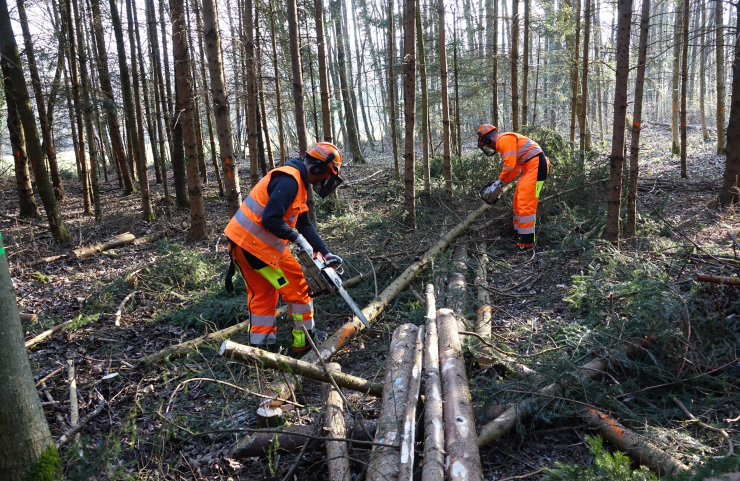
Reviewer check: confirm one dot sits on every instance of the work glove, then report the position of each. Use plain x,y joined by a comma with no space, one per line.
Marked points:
491,192
332,260
303,244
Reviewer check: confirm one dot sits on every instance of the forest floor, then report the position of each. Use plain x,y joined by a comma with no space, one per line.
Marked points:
574,297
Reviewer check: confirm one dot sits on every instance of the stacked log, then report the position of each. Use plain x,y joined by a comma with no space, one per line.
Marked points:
486,356
456,284
434,441
463,459
408,440
384,463
336,451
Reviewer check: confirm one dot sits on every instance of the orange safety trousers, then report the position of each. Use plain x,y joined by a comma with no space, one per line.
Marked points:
263,286
534,173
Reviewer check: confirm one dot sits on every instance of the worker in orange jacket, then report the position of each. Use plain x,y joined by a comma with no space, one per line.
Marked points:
521,155
274,215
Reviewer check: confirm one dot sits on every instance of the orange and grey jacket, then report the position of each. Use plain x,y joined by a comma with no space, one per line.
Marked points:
516,150
246,230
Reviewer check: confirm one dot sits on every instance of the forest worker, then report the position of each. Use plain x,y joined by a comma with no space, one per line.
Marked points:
520,155
272,216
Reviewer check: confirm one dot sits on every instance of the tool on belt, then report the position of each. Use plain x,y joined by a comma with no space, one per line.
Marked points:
324,280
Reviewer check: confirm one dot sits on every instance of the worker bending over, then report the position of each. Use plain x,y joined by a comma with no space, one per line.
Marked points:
520,155
272,216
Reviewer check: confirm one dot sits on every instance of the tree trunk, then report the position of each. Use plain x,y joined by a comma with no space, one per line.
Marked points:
631,227
463,459
494,61
424,102
212,34
408,436
261,88
72,119
351,123
323,71
584,80
720,42
27,450
278,100
195,95
515,66
17,92
457,92
89,132
730,193
525,63
178,157
295,57
51,155
384,463
447,161
409,102
337,460
392,87
167,83
624,25
574,73
251,110
684,83
360,89
678,28
702,72
26,201
434,443
536,83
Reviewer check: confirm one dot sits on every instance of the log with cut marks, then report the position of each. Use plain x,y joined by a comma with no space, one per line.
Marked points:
434,441
91,250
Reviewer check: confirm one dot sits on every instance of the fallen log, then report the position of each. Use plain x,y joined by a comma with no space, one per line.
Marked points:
91,250
47,333
247,355
337,462
384,462
456,283
636,447
434,440
349,331
25,317
178,350
486,356
292,438
730,281
408,439
463,459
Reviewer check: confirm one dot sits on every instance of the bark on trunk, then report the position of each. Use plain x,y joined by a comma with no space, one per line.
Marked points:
212,34
384,464
702,71
424,103
684,83
624,25
26,447
247,354
730,192
15,85
408,437
251,110
463,459
323,71
631,227
91,250
720,63
261,88
278,101
337,462
584,80
525,63
678,29
434,443
297,69
515,66
494,60
443,74
183,84
409,102
392,86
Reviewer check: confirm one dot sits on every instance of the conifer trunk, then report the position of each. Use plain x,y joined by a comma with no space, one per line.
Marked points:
261,89
525,63
583,106
720,63
702,71
409,102
251,110
684,83
278,99
730,193
447,161
515,66
295,57
678,29
424,101
323,71
392,87
493,41
26,202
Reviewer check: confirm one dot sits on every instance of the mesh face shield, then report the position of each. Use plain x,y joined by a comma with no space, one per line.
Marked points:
324,188
486,145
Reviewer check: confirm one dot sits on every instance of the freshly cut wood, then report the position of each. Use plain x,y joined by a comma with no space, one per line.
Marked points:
294,437
247,354
434,439
486,355
384,462
91,250
25,317
636,446
177,350
408,439
456,283
337,461
732,281
463,458
47,333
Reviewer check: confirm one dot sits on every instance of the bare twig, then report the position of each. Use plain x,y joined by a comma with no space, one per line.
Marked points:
71,432
120,307
688,414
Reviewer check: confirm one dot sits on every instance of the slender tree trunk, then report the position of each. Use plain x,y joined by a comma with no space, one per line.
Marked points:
261,87
684,84
447,161
515,125
536,83
574,72
309,61
212,35
51,155
631,227
27,450
494,61
166,83
597,46
525,63
702,71
195,95
676,146
323,71
72,120
730,193
184,89
584,79
87,105
624,25
26,202
278,100
392,87
720,63
360,68
17,92
251,110
458,145
424,101
409,102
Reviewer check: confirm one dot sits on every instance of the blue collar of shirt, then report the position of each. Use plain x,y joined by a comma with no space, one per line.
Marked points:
301,167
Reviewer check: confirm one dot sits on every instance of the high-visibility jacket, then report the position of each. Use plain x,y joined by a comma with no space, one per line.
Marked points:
245,228
516,150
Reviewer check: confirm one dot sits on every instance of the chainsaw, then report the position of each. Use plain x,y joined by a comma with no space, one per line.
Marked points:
324,280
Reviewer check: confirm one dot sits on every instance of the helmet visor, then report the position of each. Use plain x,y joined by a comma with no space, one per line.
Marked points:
486,145
324,188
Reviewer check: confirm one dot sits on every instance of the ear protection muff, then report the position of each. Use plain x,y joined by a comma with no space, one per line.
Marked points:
321,166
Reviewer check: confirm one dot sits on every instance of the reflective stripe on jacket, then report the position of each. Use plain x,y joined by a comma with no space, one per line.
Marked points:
245,228
516,150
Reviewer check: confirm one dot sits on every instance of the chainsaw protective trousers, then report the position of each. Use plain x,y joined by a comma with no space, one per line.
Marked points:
534,173
263,287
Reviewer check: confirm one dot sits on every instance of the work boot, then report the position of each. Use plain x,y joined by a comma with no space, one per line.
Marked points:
301,345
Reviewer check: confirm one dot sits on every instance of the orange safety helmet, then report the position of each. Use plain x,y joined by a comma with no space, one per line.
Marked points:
326,156
485,140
